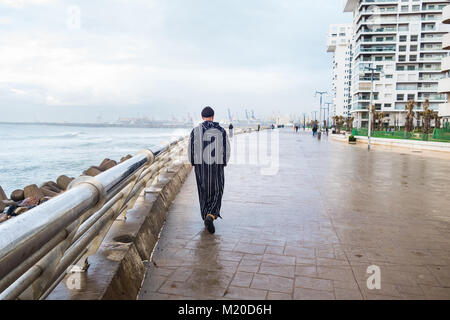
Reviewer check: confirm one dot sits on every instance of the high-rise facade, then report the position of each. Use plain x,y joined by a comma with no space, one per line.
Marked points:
402,39
444,84
340,43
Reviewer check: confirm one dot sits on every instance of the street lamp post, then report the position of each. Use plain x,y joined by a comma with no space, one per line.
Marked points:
372,69
328,112
321,93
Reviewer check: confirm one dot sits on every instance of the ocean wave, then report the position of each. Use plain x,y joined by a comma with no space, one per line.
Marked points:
65,135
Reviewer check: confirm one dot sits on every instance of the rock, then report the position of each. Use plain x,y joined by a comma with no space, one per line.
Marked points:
52,186
30,202
92,171
63,182
2,197
17,195
32,191
9,203
126,158
47,192
20,210
3,217
104,161
44,199
2,194
108,165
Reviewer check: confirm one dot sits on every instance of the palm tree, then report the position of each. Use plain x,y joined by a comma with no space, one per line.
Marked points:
437,120
409,116
380,116
351,120
427,114
349,124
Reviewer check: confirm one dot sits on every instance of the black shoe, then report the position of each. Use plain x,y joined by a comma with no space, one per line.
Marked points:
209,224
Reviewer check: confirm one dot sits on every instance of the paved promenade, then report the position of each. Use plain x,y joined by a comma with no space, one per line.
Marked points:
312,230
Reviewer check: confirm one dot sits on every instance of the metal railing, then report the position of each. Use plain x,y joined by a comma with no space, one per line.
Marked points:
38,247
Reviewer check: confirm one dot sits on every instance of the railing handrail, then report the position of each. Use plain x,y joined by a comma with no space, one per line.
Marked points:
25,240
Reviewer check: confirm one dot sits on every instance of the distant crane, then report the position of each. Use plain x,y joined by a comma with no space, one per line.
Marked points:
230,117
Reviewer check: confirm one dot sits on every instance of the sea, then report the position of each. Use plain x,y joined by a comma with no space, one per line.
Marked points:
34,154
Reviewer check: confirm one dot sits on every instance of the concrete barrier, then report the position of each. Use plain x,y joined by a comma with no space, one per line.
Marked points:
118,268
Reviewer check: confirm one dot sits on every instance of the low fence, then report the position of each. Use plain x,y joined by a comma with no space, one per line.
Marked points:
36,249
439,135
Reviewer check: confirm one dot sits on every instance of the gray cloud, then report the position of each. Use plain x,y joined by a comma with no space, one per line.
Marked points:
162,58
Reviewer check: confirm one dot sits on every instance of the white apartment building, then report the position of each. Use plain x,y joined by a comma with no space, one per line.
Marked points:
340,43
444,84
403,40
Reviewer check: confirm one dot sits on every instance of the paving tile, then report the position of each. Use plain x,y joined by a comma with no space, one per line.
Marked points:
197,290
151,284
436,293
249,265
245,293
277,270
272,283
310,294
154,296
306,270
345,284
277,259
249,248
300,252
335,273
347,294
313,283
181,274
278,296
274,250
407,291
242,279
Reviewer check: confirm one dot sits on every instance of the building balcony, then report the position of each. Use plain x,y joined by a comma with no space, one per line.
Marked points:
446,42
446,15
444,85
444,110
445,64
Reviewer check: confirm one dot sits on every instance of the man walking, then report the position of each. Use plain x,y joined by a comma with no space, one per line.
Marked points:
209,153
230,130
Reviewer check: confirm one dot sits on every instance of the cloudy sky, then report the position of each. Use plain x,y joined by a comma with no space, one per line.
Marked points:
81,60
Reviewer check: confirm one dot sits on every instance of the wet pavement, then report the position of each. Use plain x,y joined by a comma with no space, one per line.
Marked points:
312,230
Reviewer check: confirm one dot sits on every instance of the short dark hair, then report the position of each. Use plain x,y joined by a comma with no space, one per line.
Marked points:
208,112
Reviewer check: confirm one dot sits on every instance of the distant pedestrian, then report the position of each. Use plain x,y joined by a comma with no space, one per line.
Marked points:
230,129
259,127
314,129
209,153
